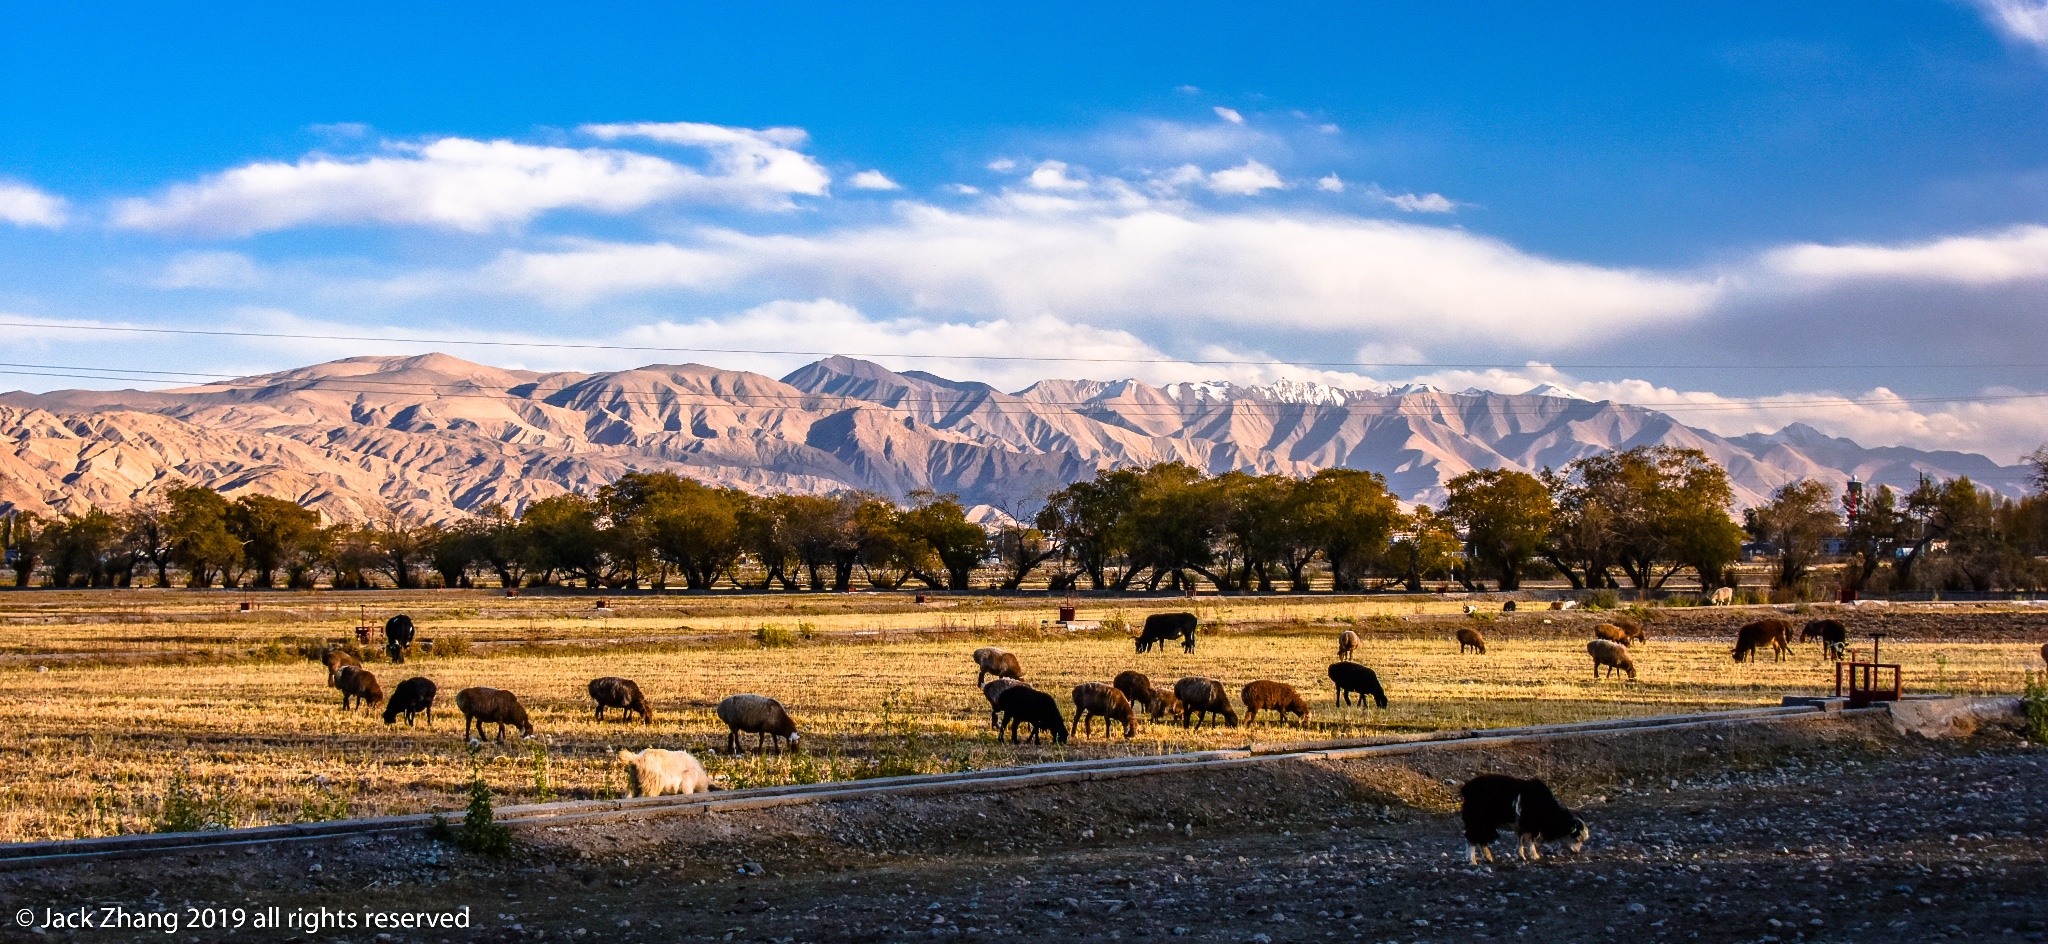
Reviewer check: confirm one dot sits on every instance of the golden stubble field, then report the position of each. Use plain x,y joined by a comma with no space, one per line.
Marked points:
90,748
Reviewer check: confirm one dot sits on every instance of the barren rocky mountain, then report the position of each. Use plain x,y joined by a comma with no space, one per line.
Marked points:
438,436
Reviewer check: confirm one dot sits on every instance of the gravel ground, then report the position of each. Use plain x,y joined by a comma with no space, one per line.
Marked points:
1797,835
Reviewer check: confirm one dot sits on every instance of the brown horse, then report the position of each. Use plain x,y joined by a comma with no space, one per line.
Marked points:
1774,633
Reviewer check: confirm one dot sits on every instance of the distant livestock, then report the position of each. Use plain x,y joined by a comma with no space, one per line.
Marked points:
1026,705
357,686
1000,663
1469,638
2044,652
1833,636
1279,698
1160,627
623,694
412,696
481,706
1625,633
1102,700
758,715
335,659
1203,696
993,691
1508,607
1347,643
1723,596
1776,634
655,772
1350,677
398,634
1494,801
1612,655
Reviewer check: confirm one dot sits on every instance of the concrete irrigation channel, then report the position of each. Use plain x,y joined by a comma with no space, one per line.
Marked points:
555,816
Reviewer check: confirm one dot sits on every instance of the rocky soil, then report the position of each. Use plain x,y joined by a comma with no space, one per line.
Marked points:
1841,832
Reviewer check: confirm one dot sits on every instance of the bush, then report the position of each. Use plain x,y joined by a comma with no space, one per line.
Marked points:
480,831
183,810
772,635
1602,600
322,804
450,646
2035,701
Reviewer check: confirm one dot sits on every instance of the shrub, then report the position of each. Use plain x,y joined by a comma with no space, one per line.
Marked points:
1602,600
543,791
480,831
183,810
450,646
772,635
2035,701
322,804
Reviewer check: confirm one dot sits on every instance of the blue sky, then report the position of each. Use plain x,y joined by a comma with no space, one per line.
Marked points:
1658,201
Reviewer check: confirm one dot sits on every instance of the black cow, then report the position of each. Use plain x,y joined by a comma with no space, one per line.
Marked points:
1160,627
398,633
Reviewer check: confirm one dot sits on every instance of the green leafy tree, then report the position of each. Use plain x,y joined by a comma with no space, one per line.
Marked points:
1172,527
1350,516
565,537
1427,546
940,524
272,532
1506,516
1798,520
1087,518
200,541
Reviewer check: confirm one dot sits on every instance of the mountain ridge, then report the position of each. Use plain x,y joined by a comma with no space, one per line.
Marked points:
437,436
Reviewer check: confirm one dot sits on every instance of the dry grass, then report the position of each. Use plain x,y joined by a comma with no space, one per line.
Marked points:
91,749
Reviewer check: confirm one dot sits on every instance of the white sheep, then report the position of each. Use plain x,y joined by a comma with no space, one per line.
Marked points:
655,772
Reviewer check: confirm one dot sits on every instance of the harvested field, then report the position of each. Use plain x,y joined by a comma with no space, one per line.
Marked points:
93,745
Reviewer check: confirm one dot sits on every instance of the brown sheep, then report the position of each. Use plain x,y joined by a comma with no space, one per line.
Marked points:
757,715
993,691
1137,686
358,686
2044,652
334,659
1469,638
1102,700
481,706
1278,697
623,694
1613,655
996,662
1615,634
1347,643
1203,696
1632,628
1774,633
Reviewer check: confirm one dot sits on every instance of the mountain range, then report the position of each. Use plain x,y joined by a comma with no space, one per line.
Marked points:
436,436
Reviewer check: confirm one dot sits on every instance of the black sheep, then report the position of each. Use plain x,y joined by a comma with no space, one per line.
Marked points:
623,694
481,706
398,632
1493,801
1160,627
1025,705
1351,677
1834,636
411,697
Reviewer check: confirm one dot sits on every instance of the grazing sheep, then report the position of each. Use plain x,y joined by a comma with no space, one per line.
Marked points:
655,772
1611,633
335,659
1026,705
993,691
1557,604
623,694
1101,700
1137,687
411,697
1160,627
1470,609
1508,607
1278,697
1566,605
1723,596
997,662
1347,643
358,686
757,715
1833,636
1200,695
398,633
1351,677
482,706
1613,655
1492,801
1469,638
1774,633
2044,652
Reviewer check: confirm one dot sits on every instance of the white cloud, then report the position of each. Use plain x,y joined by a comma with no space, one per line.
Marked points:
1230,115
1052,175
1425,203
2015,255
1119,263
872,180
2022,21
1002,165
1187,90
24,205
963,189
1328,128
208,270
478,186
1246,179
1331,184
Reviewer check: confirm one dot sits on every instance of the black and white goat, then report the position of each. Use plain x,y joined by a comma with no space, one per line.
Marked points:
1494,801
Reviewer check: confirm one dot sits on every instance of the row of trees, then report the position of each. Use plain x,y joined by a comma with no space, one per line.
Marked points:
1641,516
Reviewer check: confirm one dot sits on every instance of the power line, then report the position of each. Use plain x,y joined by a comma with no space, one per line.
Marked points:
1208,362
978,402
